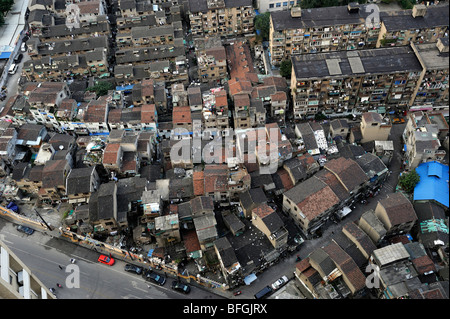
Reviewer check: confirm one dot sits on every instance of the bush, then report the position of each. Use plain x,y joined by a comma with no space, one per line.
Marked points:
408,181
101,88
286,68
262,23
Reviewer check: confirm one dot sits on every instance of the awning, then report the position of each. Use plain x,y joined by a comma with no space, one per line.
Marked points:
249,279
5,55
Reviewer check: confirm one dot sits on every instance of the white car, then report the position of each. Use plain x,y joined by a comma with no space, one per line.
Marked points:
280,282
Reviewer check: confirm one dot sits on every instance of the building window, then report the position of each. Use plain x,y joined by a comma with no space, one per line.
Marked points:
285,4
271,6
278,4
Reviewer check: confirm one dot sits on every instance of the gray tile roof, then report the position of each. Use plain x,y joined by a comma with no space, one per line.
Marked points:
436,16
373,61
318,17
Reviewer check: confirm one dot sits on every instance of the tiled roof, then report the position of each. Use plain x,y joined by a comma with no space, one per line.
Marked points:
346,264
263,210
190,241
398,208
216,178
318,202
148,113
53,174
360,237
424,264
96,111
181,114
110,153
348,172
237,86
240,61
198,180
147,88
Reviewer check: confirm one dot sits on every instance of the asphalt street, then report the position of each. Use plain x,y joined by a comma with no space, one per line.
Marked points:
43,255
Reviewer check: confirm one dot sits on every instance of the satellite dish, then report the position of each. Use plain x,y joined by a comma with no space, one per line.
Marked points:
61,147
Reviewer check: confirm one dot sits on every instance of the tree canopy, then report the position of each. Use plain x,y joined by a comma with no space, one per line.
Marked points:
101,88
408,181
286,68
262,23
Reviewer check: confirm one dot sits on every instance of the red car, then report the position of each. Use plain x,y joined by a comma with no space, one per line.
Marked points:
106,260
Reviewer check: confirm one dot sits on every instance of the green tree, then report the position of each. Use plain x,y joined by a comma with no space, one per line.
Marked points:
101,88
6,5
286,68
408,181
262,23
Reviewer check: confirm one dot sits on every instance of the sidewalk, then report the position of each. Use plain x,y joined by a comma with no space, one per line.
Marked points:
14,24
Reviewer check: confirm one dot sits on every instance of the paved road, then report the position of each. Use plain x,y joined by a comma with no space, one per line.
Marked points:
43,255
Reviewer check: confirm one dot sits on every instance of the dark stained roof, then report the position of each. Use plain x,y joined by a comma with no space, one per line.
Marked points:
436,16
373,61
78,180
398,209
53,173
105,200
348,172
318,17
361,237
226,252
346,264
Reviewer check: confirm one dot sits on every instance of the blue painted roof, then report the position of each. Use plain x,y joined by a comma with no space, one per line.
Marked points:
433,183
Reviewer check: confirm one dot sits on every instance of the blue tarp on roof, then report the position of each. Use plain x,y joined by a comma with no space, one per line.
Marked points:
124,88
150,252
5,55
433,184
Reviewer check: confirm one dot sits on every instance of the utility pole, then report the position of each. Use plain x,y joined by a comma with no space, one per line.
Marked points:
37,213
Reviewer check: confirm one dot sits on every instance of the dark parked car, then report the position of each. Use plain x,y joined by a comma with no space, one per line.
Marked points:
18,58
132,268
25,229
156,278
177,285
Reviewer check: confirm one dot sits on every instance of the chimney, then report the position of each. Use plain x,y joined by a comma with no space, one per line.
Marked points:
442,45
419,10
296,12
353,7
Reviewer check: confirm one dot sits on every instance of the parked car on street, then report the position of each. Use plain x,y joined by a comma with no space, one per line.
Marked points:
133,268
263,293
18,58
25,229
280,283
106,260
12,68
178,285
152,276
